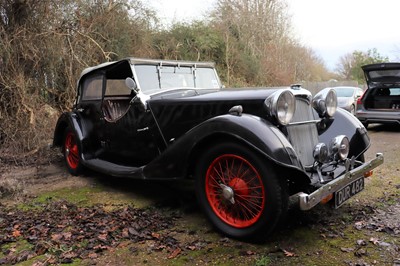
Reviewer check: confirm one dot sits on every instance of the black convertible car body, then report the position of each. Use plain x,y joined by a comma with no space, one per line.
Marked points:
249,150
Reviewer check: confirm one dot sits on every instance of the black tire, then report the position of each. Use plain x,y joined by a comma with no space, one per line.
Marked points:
72,153
229,171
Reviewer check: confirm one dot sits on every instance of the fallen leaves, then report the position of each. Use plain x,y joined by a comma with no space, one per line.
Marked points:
347,250
175,253
288,253
382,221
66,231
361,252
361,242
16,233
378,242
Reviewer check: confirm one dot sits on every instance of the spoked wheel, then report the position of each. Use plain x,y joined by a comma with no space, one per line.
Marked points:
240,192
235,190
72,153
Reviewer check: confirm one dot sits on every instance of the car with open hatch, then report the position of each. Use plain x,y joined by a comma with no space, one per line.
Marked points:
250,151
381,101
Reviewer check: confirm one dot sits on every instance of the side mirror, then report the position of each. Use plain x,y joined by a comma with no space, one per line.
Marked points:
131,84
140,96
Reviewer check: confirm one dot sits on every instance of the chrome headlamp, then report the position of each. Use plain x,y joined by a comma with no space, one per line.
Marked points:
325,102
320,152
339,147
281,105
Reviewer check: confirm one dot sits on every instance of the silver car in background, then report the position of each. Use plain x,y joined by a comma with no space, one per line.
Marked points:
347,97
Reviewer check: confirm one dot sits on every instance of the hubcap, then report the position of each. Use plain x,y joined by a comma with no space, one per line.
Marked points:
228,193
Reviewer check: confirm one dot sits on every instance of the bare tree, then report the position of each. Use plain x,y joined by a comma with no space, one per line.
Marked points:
345,66
259,46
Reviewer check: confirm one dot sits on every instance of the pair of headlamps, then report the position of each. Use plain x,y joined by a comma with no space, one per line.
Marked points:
282,105
325,103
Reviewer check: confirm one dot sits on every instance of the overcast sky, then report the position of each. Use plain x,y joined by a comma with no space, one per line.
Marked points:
332,28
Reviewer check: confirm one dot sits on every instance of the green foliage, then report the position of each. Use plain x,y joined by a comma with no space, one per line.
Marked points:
349,67
263,261
196,42
364,58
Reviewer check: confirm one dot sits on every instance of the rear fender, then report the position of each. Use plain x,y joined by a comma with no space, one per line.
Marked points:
180,157
68,120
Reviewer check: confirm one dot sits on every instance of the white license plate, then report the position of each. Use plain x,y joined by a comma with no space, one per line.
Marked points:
348,191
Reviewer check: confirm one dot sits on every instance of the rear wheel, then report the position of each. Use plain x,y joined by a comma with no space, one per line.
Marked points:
239,192
72,153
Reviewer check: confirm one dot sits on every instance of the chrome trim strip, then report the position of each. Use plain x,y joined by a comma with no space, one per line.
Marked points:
303,123
308,201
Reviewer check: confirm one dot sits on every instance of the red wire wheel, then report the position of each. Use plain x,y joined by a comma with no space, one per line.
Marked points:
71,153
239,191
235,190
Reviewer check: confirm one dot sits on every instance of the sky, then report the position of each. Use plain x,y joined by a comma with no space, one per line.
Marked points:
332,28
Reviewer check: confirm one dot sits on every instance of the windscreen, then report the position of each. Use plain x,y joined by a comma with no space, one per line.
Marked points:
344,92
385,75
153,78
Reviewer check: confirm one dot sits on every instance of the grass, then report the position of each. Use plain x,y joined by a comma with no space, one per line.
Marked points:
322,236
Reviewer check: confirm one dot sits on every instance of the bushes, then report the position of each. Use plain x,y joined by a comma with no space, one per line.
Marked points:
45,44
44,47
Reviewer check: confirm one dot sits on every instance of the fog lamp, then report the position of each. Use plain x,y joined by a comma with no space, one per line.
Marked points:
320,152
339,147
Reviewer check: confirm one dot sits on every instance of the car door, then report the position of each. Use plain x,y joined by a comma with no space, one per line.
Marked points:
88,108
130,133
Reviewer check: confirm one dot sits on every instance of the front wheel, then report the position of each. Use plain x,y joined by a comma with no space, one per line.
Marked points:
240,192
72,153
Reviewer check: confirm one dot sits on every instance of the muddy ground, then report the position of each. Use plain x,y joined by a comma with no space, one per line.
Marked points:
49,217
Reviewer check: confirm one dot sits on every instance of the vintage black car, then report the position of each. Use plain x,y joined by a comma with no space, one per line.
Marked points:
250,151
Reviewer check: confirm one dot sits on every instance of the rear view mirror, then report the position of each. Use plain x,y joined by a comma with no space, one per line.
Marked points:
143,98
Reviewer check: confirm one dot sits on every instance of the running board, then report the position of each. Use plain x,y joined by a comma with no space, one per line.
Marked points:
114,169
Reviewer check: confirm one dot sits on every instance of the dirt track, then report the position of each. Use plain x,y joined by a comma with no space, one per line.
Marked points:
364,231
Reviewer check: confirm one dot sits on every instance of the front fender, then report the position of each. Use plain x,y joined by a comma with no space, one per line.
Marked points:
344,123
253,131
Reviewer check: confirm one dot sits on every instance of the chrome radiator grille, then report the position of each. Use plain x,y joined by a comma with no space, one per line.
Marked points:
303,134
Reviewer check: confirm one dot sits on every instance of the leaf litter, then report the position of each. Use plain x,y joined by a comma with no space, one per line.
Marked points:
68,232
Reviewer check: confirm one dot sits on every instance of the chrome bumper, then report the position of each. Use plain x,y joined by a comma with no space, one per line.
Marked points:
308,201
